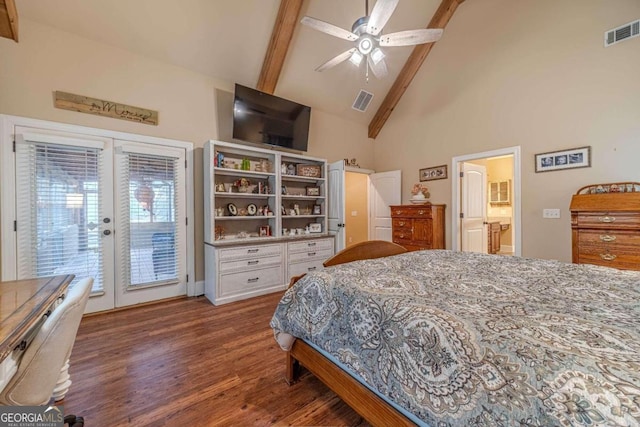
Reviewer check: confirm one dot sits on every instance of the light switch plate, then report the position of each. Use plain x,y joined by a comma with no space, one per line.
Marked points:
551,213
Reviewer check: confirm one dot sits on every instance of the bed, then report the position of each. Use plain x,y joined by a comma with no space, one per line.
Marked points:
447,338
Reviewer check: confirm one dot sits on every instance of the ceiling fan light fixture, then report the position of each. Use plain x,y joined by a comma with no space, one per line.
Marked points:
377,55
365,45
356,58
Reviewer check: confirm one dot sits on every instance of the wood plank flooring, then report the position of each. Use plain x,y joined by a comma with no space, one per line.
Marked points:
188,362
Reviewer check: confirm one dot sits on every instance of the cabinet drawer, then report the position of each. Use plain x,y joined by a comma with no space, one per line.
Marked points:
609,238
624,261
245,252
234,283
299,268
412,245
618,220
310,254
311,245
402,234
401,223
411,211
250,264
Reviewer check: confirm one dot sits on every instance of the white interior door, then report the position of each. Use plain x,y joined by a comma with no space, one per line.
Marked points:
474,208
81,209
64,211
150,227
336,214
384,191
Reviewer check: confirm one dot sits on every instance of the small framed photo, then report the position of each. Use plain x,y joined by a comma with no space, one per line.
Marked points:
284,190
431,174
233,210
564,159
283,211
315,228
317,210
265,231
313,191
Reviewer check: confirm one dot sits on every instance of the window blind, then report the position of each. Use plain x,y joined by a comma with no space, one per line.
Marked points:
150,236
59,210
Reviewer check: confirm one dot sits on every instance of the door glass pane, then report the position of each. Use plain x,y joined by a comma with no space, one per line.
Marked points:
58,211
150,206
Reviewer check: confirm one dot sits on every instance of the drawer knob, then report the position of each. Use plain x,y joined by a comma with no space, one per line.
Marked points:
399,212
607,238
402,236
311,244
607,218
252,251
252,262
608,257
421,212
255,279
401,223
311,268
311,253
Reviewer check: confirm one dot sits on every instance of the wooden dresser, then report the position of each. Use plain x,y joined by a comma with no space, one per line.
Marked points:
605,225
418,226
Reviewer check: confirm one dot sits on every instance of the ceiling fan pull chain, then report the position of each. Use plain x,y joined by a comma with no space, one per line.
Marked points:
367,73
366,7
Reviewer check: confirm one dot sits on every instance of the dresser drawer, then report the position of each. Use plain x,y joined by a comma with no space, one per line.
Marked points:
401,223
609,238
411,211
252,263
311,245
245,252
235,283
412,245
402,234
299,268
310,254
617,220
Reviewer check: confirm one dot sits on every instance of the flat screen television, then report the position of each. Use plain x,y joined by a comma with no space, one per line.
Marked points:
267,119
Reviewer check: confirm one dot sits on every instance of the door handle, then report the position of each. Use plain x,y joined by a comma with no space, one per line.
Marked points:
106,232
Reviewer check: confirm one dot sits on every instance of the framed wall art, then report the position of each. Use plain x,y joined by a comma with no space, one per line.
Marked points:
564,159
436,172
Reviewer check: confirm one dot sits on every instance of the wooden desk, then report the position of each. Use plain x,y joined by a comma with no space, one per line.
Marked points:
22,305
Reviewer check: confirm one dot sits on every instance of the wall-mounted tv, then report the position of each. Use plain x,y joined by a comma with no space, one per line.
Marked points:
267,119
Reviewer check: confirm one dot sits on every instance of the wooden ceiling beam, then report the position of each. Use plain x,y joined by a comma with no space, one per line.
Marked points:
286,22
8,19
414,62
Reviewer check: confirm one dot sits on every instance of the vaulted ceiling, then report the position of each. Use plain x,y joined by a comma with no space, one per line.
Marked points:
257,43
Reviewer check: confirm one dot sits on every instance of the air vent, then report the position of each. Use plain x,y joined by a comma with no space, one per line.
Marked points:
362,101
624,32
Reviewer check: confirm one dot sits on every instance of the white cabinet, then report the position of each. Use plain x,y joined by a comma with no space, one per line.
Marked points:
307,256
499,192
265,219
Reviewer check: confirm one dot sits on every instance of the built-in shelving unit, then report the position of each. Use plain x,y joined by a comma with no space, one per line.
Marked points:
265,217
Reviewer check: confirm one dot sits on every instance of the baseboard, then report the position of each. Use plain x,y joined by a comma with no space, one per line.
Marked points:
506,248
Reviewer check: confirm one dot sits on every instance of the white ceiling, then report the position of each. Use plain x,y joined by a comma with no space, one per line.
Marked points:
227,39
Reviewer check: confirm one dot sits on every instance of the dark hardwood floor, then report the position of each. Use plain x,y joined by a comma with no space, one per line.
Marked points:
188,362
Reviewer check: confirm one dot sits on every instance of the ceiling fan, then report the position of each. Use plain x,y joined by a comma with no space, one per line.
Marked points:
366,32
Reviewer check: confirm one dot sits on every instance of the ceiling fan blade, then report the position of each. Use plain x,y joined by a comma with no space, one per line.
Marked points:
379,69
411,37
380,14
327,28
338,59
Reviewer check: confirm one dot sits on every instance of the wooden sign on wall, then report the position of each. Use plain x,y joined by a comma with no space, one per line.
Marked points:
100,107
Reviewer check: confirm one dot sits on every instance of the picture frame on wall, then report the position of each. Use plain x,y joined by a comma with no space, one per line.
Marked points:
433,173
563,159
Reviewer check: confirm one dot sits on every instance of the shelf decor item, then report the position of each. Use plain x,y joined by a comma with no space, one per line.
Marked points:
233,210
419,194
564,159
315,228
309,171
313,191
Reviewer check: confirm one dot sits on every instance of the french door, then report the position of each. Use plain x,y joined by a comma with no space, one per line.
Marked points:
110,209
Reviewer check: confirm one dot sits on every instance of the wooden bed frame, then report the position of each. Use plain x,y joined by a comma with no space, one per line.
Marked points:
365,402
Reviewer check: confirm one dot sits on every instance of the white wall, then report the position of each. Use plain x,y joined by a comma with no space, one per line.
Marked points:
47,60
532,73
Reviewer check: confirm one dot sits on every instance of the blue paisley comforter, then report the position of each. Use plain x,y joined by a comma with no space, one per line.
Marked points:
479,340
